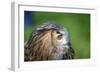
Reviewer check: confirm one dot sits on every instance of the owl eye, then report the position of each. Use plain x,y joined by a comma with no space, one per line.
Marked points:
59,37
58,32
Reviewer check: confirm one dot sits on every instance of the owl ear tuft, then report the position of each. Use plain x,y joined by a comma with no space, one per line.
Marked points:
39,29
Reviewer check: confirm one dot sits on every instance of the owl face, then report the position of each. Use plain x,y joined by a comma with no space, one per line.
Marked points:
60,34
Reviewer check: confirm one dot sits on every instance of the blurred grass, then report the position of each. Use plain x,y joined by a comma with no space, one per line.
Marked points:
77,24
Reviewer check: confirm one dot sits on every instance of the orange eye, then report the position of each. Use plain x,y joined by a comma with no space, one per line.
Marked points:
59,37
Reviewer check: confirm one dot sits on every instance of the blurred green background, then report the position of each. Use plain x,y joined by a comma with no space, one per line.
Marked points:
78,25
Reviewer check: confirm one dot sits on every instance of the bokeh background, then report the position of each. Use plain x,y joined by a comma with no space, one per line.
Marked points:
78,25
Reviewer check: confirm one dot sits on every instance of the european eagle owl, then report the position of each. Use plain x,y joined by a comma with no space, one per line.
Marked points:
50,41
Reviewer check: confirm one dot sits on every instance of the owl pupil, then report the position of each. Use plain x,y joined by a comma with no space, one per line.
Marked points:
58,32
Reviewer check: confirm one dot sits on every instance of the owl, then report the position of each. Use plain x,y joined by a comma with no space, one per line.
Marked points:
49,41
